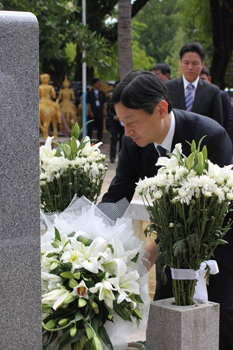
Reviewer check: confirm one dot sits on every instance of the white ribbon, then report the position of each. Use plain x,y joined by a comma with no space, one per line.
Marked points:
199,275
184,274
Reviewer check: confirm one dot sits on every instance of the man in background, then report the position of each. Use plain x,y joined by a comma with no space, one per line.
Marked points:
116,129
192,93
162,71
225,98
97,104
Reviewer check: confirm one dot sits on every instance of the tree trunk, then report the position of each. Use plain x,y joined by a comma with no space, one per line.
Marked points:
124,37
222,22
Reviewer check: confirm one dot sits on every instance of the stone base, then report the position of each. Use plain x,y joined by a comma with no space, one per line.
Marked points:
175,327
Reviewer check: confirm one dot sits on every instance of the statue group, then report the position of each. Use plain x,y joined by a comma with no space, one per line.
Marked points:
63,111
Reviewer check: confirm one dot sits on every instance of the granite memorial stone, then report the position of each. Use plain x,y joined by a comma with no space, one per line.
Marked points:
20,306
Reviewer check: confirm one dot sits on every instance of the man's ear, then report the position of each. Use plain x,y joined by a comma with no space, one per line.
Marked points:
209,79
163,108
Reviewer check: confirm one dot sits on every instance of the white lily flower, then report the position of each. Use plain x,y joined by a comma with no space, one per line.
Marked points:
53,281
169,163
105,289
46,150
90,150
81,290
126,283
57,298
88,257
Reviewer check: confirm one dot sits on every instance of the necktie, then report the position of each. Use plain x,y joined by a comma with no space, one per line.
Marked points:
189,97
162,151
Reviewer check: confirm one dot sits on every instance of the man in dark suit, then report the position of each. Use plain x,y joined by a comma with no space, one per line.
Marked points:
97,104
162,71
225,98
116,129
142,102
206,97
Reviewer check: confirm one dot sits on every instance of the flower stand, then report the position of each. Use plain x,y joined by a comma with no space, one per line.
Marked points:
175,327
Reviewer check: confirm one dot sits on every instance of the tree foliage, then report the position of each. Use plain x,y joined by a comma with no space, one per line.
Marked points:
158,30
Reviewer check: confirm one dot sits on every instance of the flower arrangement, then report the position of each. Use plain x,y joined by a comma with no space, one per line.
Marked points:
75,167
88,278
187,202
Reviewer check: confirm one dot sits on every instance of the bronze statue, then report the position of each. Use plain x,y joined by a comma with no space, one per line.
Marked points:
48,109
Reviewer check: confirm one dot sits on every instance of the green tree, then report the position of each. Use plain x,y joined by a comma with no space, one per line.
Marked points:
160,20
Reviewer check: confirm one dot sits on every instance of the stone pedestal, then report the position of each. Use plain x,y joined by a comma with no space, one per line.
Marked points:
20,281
172,327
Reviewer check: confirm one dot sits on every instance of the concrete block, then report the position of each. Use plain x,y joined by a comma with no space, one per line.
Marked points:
194,327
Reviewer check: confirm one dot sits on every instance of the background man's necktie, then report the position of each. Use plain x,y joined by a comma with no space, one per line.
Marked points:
162,151
189,97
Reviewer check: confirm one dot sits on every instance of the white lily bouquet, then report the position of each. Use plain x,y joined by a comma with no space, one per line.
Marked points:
90,280
187,202
75,167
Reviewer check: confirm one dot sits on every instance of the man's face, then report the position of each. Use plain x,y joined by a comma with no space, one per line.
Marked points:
97,85
191,66
205,78
160,75
142,127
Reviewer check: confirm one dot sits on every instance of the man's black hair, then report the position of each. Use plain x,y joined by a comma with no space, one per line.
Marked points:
141,90
94,81
163,67
205,70
193,47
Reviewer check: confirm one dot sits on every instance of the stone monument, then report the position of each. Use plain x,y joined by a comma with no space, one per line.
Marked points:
20,306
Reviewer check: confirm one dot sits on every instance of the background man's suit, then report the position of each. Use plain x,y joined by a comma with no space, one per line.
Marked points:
137,162
207,100
98,111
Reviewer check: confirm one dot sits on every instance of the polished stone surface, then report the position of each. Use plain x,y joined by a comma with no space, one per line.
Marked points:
20,321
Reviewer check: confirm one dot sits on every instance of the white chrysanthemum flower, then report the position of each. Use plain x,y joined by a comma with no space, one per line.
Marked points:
229,196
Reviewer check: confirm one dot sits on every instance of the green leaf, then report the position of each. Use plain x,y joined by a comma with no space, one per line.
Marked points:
74,147
105,338
138,299
57,235
221,241
199,144
79,316
75,132
199,169
122,311
71,234
179,247
86,241
50,324
193,146
200,158
205,153
137,314
135,258
58,153
100,276
73,283
88,345
66,274
189,161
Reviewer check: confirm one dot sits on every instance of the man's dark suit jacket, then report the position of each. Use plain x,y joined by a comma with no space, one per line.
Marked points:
137,162
207,100
226,107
